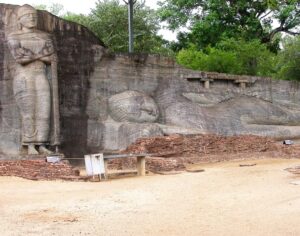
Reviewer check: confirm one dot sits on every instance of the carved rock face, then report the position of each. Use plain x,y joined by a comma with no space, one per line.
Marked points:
133,106
29,20
27,16
33,50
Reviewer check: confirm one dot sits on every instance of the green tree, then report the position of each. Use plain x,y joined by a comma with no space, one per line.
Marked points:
209,21
109,21
253,55
211,59
230,56
78,18
289,59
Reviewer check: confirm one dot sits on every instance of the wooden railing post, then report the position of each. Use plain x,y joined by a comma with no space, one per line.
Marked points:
141,165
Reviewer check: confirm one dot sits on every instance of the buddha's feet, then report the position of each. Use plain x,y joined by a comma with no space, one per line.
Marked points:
44,150
32,150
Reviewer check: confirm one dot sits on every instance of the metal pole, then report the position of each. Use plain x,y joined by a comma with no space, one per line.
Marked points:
130,25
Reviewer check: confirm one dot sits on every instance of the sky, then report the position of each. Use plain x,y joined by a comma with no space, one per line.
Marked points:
84,8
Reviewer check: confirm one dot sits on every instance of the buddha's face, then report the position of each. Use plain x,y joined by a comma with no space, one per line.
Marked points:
133,106
29,20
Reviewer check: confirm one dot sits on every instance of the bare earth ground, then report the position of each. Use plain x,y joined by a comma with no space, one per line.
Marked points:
224,200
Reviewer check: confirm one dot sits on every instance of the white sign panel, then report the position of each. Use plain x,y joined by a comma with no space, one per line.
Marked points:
94,164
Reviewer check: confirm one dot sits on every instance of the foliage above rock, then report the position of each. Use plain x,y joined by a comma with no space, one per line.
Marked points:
208,21
230,56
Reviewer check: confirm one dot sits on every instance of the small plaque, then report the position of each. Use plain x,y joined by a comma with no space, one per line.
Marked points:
53,159
288,142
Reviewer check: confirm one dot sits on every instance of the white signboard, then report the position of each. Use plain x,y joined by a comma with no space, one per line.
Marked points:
94,164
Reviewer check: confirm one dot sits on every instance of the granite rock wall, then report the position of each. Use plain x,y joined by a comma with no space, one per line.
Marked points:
107,100
230,105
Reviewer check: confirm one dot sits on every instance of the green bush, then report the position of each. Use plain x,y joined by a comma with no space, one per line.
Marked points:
231,56
254,56
191,58
212,60
223,61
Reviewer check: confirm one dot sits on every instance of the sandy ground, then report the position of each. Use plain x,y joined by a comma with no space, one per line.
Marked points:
224,200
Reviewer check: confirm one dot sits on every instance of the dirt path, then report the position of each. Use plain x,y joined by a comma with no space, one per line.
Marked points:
224,200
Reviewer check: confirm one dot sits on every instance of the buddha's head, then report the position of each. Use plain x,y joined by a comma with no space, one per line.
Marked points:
133,106
27,17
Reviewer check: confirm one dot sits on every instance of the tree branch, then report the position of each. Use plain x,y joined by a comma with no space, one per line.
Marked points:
273,32
291,32
268,13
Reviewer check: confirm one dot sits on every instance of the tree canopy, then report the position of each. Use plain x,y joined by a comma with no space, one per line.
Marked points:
210,21
109,21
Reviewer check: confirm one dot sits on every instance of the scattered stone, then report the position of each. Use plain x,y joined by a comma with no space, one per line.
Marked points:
294,170
167,172
196,171
247,165
39,169
191,145
175,151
